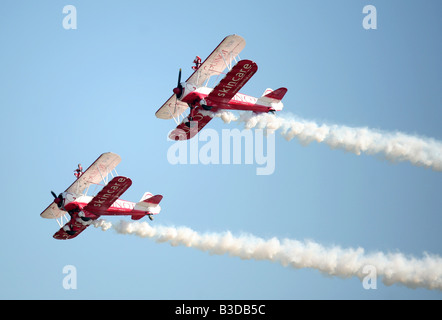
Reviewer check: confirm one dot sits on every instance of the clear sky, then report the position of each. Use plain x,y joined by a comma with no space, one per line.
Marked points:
67,96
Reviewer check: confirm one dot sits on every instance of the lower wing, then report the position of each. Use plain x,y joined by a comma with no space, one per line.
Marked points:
108,195
72,228
233,81
188,129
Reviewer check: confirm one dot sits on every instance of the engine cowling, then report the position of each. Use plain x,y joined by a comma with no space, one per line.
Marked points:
184,90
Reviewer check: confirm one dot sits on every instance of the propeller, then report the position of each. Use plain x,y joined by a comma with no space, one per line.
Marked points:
179,89
57,199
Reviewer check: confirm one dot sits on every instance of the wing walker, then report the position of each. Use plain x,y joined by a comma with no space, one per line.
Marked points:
82,209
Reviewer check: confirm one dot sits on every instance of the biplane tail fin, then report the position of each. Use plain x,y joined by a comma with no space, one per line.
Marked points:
149,203
273,98
277,94
150,199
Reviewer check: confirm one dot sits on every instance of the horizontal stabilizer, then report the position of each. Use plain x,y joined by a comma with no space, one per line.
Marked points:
148,203
273,99
149,198
154,200
278,94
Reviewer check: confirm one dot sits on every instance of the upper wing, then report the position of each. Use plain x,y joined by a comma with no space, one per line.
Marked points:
93,175
218,60
96,172
215,63
108,195
171,109
184,132
52,212
234,80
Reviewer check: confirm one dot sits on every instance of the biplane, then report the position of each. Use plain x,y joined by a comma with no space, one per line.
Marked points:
83,209
196,95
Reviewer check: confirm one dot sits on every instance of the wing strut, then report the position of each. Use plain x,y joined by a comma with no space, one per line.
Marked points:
179,117
61,220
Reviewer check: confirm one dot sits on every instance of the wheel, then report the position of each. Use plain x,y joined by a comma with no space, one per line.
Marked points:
85,221
68,230
206,107
150,217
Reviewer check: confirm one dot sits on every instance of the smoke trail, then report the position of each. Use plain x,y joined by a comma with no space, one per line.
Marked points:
394,268
397,146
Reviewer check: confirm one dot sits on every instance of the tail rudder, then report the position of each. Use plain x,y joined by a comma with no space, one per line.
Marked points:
146,196
266,92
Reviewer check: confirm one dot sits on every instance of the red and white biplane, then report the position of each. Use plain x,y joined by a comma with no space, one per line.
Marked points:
195,94
84,209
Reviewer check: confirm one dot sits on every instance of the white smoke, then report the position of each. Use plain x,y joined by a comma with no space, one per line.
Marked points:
394,268
394,146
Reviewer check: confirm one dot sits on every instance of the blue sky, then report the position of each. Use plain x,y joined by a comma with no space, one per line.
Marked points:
69,95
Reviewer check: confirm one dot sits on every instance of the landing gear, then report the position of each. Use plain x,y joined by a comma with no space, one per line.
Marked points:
203,104
68,230
190,123
150,217
82,216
